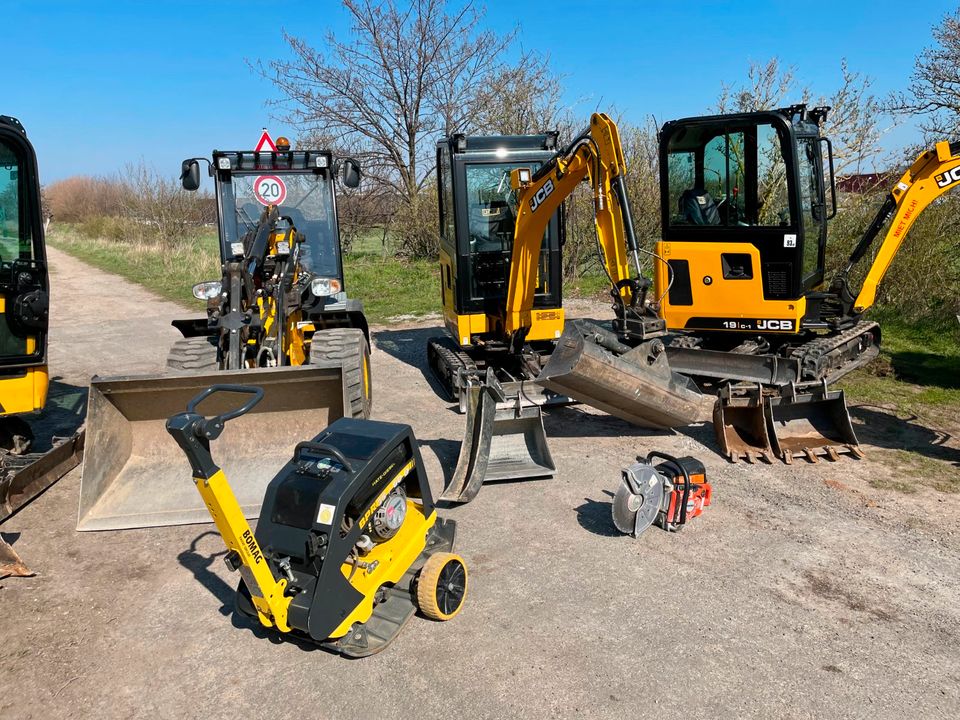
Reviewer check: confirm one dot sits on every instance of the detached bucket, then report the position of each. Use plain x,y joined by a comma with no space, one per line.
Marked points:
637,384
135,475
500,443
740,425
811,422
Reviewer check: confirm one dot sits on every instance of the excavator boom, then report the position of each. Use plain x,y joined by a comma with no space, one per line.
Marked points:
933,173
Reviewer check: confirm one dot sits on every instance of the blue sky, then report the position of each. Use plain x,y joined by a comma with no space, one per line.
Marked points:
99,84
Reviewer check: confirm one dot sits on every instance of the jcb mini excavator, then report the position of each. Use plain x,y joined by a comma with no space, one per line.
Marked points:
29,461
279,318
745,204
348,544
738,300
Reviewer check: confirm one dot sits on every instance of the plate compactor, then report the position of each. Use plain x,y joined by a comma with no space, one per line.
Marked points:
348,545
669,494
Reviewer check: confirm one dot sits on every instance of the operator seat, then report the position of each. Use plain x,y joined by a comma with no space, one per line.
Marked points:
697,207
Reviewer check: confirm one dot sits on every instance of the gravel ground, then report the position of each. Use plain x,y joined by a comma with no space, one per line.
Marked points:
803,591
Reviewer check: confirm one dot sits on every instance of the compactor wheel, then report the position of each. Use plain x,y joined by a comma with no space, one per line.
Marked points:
442,586
348,346
193,354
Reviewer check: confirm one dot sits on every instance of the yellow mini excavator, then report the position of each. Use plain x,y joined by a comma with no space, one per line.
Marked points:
31,455
738,303
278,318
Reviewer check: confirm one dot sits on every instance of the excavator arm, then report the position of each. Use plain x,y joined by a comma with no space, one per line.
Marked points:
933,173
595,155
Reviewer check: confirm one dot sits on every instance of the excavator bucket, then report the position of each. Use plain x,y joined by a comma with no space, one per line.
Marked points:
740,424
636,384
504,440
809,421
134,475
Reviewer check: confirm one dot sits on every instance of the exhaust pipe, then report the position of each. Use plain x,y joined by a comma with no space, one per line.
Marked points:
635,384
134,473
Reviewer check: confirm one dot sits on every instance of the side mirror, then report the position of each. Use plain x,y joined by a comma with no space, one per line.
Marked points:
351,173
190,175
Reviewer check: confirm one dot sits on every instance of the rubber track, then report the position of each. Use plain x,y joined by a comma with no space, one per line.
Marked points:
346,346
454,358
194,354
810,353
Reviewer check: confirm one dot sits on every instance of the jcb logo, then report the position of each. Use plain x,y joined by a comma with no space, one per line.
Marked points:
252,546
948,178
541,195
774,324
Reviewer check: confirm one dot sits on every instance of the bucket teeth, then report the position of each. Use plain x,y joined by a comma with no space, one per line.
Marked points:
801,421
809,421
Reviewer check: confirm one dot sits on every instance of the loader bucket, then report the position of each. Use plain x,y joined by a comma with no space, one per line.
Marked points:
740,425
135,475
504,440
636,385
809,421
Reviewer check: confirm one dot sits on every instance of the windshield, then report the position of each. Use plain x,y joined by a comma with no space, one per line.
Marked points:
306,198
15,236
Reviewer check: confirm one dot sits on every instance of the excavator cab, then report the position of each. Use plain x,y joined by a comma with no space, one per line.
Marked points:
478,214
745,210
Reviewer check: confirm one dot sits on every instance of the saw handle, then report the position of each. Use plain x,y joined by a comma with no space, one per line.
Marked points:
682,510
210,428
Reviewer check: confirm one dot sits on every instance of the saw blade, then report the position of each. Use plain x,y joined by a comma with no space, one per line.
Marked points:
635,512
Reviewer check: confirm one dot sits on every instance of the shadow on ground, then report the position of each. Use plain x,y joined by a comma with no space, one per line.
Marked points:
882,428
927,369
409,346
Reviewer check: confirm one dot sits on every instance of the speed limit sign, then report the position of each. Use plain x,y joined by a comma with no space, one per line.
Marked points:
269,190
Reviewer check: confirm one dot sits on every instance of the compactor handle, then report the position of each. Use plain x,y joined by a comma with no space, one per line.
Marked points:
210,428
324,448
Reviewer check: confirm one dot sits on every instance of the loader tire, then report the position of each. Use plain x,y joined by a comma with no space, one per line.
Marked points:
193,354
347,346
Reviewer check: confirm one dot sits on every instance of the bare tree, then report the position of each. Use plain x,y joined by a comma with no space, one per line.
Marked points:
405,75
934,93
854,121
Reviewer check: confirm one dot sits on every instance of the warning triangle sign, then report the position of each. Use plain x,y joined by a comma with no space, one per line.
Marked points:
266,143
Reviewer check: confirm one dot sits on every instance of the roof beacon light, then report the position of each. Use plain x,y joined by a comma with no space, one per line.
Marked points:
283,144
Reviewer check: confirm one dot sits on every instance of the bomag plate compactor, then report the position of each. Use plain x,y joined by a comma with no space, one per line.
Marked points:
348,544
32,456
278,318
738,323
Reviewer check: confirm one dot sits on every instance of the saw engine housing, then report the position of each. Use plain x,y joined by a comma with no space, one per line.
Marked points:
668,494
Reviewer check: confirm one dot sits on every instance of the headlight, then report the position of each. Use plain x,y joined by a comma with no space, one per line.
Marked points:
207,290
322,287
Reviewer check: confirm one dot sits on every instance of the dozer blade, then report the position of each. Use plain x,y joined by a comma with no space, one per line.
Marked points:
501,443
135,475
808,421
636,384
26,476
740,425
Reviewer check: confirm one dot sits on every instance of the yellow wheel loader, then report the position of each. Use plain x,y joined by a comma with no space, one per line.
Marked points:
278,318
31,455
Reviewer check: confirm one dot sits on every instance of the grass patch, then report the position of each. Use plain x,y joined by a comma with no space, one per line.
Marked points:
170,273
914,471
918,371
388,287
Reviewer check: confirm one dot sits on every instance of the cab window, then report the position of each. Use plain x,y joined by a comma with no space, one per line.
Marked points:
728,177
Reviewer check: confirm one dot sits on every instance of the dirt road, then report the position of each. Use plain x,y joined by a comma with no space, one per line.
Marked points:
803,592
